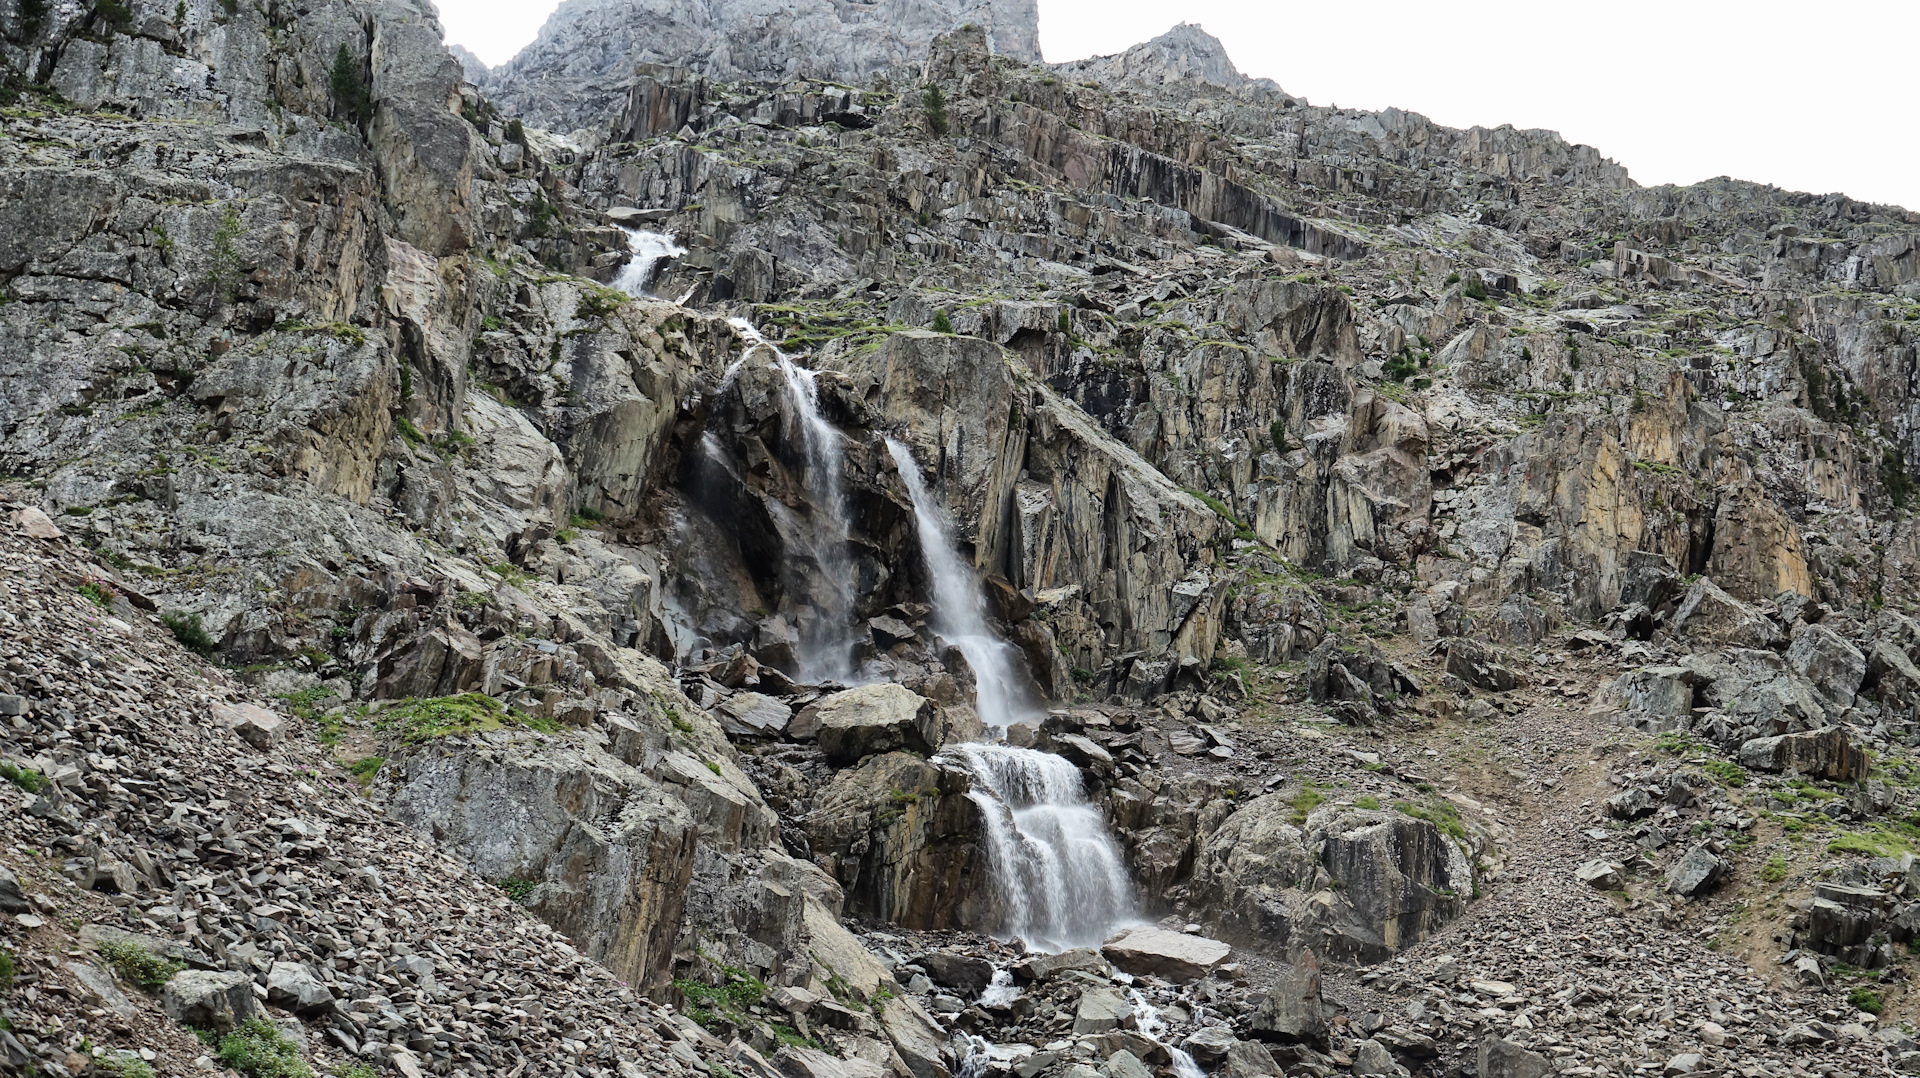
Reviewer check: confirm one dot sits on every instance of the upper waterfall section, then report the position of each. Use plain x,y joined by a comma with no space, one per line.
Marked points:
575,73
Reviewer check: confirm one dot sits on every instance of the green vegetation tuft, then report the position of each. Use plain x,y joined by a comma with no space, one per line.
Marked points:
24,777
1440,814
190,631
258,1050
138,966
933,105
124,1065
8,967
1306,801
518,889
414,721
1775,869
352,96
941,323
727,1001
363,771
1865,999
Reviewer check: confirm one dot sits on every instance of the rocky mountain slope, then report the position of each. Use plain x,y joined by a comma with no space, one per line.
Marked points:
1463,596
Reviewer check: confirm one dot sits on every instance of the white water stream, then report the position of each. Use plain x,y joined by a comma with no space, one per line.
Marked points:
650,251
1147,1017
1061,880
826,639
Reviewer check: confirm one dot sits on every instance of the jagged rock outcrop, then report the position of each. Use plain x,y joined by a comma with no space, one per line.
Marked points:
575,73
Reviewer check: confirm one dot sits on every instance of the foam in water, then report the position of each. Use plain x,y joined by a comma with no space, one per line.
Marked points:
826,640
959,609
1061,880
1146,1017
651,251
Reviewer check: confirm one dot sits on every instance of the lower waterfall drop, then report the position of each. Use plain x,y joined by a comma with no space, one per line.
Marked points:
1059,875
651,250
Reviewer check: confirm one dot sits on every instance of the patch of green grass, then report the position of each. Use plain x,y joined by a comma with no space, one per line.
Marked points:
1775,869
511,573
415,721
138,966
8,967
1440,814
518,889
125,1065
1366,801
1865,999
1306,801
1725,772
190,631
728,1000
364,770
24,777
258,1050
1881,841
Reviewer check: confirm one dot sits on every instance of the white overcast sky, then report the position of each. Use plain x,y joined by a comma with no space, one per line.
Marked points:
1813,97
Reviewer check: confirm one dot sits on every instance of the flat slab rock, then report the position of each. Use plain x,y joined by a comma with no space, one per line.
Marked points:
1172,956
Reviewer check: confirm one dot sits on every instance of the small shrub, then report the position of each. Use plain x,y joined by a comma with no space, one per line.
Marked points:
1401,367
1775,869
933,104
224,264
1865,999
98,592
516,131
33,13
518,889
1476,288
124,1065
1725,772
365,770
729,1000
8,967
352,97
1277,431
24,777
189,631
258,1050
138,966
114,11
941,323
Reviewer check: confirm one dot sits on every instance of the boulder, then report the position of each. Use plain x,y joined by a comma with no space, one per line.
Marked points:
965,974
1825,753
34,524
12,900
1629,804
856,723
1294,1011
888,631
1171,956
254,725
291,986
208,999
97,989
752,714
1247,1059
1102,1009
1045,967
1696,873
1372,1058
1601,874
813,1063
1210,1044
1655,698
1398,880
1835,667
1711,616
915,1036
1503,1059
1478,665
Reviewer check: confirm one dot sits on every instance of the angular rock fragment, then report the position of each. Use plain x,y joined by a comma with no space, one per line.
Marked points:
208,999
1826,753
1171,956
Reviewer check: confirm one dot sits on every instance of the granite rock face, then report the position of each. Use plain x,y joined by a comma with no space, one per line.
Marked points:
576,72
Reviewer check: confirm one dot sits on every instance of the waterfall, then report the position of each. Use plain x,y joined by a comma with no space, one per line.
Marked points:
1061,880
959,609
826,640
1146,1017
650,250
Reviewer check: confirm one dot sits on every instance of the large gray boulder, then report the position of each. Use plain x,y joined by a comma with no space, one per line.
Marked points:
1825,753
1102,1009
860,722
1294,1011
208,999
1654,698
1499,1058
292,986
1171,956
1709,615
1696,873
1835,667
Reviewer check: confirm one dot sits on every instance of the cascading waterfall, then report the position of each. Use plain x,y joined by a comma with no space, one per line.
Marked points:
651,250
959,610
1061,880
1146,1018
826,640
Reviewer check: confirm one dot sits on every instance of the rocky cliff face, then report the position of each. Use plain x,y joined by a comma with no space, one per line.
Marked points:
578,70
1451,568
